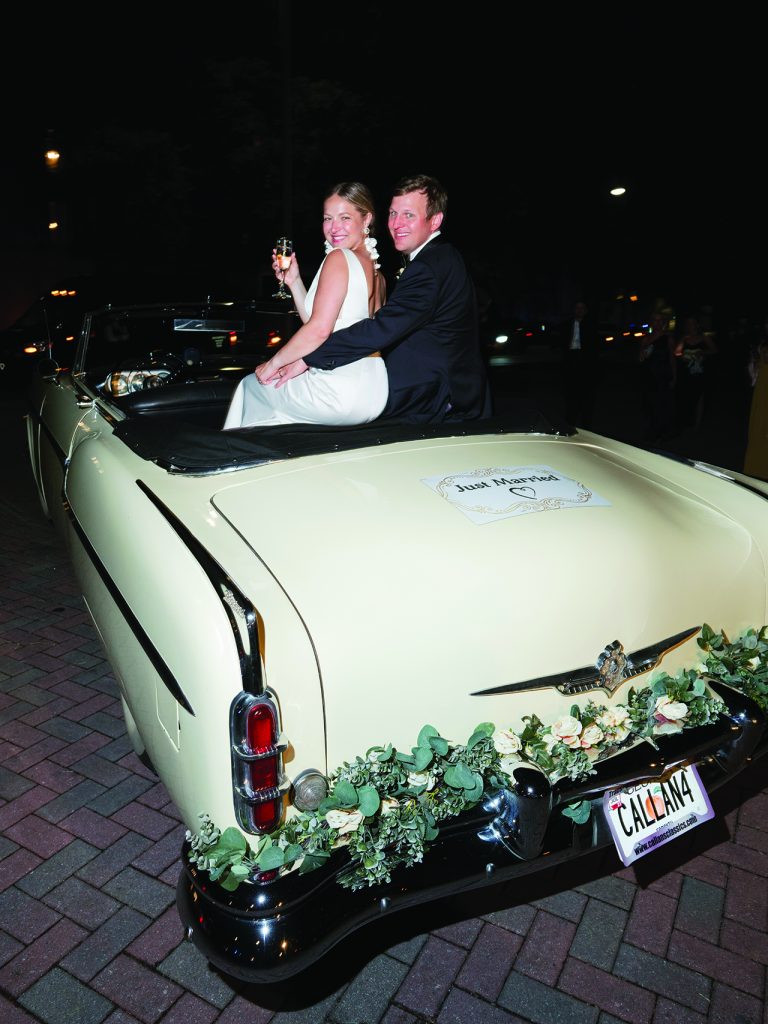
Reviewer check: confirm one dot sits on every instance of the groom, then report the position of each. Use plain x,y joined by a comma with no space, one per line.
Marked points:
427,329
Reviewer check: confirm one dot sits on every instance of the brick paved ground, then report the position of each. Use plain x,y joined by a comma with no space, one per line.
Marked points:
89,846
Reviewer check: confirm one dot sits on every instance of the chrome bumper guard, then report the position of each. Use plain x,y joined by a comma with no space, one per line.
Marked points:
270,932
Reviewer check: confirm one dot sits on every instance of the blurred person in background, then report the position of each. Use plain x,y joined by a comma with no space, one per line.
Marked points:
693,350
659,374
581,365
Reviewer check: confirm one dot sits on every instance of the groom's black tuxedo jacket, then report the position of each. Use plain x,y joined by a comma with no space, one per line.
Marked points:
427,333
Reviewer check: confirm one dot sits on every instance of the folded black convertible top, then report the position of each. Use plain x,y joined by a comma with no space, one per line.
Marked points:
181,447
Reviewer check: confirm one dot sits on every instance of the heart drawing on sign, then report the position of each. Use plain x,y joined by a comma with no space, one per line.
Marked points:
523,492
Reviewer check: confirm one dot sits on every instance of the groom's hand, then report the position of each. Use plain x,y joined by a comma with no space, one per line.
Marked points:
294,369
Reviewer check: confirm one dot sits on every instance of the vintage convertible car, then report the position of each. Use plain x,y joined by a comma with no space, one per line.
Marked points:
379,665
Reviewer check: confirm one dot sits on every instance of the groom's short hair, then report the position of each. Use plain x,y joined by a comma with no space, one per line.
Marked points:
437,197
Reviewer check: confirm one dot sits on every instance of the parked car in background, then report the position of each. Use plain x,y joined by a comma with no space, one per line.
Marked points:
378,665
509,341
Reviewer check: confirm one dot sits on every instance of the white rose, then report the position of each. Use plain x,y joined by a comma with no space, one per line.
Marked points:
549,743
506,742
591,736
344,821
616,723
667,728
389,804
613,718
421,779
566,730
669,710
509,762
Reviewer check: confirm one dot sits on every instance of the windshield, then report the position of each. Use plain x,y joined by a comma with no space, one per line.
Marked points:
224,338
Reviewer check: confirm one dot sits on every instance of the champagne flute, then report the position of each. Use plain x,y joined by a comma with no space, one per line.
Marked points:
283,250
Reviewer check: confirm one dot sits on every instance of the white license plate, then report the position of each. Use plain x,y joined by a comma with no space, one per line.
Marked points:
646,816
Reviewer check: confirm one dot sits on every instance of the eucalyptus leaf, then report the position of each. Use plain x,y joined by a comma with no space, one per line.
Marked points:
422,757
345,793
329,804
292,852
439,745
368,800
312,861
476,791
580,811
232,839
459,776
425,735
271,858
477,737
230,883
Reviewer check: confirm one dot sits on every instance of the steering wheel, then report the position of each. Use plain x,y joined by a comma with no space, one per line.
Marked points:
162,368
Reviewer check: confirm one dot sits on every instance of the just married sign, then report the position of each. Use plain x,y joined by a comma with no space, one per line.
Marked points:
485,495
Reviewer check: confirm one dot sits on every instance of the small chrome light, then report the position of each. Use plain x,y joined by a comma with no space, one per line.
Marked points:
310,788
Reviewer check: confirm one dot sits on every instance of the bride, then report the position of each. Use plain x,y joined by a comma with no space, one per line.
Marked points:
346,288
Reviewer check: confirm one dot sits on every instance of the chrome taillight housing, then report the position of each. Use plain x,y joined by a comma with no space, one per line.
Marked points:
258,781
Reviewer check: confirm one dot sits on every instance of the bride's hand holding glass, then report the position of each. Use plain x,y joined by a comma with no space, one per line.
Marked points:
286,268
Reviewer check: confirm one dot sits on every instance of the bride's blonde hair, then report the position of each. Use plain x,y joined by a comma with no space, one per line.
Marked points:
357,194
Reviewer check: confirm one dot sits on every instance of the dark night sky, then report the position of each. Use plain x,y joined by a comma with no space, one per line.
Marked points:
527,124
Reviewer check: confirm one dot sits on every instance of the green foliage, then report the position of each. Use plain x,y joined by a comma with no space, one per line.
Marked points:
579,812
743,663
385,808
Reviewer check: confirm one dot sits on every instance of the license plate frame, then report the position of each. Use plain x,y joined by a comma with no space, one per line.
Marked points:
651,814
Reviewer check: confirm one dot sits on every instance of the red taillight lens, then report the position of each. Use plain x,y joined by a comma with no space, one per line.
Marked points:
257,763
261,730
266,816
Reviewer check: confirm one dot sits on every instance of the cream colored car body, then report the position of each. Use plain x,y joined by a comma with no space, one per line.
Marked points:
381,605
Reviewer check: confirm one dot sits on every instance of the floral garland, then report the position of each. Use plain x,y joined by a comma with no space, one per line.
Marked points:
384,808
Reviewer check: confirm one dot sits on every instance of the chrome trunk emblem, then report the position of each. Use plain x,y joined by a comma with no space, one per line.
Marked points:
612,668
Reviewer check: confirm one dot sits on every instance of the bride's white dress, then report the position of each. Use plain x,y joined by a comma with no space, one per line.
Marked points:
351,394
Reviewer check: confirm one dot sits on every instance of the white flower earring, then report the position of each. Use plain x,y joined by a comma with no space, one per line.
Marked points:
370,245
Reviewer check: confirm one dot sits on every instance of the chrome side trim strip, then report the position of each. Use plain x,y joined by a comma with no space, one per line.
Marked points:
158,663
234,603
